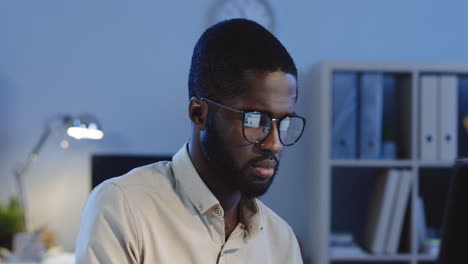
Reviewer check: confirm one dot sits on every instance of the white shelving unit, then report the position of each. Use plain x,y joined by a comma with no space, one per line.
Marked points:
323,166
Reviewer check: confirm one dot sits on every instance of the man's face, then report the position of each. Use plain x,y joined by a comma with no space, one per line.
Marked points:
249,168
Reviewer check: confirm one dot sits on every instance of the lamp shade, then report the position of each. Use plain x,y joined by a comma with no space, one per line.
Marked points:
84,127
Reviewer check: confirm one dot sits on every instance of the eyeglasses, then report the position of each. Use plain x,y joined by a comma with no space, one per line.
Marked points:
256,125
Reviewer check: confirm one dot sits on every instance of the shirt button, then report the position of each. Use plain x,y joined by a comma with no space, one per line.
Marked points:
200,207
217,211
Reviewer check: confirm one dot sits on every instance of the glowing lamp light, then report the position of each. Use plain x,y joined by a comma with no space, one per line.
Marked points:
81,132
84,127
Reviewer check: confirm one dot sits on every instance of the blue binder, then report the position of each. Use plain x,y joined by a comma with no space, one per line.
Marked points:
389,121
462,114
370,115
344,115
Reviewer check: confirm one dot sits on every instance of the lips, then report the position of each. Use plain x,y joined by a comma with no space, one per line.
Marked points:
265,173
266,168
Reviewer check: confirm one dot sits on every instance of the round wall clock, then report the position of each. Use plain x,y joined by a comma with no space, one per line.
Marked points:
256,10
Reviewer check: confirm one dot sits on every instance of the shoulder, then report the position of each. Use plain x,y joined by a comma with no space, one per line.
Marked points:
152,177
269,216
150,174
279,235
272,221
133,187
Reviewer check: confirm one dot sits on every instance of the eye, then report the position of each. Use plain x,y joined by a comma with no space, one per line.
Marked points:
265,121
253,120
284,125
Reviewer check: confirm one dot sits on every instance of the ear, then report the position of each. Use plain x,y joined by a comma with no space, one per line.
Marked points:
198,112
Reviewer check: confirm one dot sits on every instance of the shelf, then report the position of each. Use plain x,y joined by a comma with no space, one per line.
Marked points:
372,163
373,258
436,164
427,258
376,258
390,163
342,189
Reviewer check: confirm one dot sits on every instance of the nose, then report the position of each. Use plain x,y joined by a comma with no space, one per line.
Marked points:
272,142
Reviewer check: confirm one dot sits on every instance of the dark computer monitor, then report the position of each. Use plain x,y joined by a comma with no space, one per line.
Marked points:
105,166
455,227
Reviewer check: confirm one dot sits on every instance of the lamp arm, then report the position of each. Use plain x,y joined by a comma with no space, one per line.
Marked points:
34,153
19,173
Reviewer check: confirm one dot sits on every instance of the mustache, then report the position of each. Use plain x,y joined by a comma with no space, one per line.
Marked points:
269,161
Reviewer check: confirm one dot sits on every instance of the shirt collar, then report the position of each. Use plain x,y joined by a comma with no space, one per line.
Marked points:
203,199
252,215
197,191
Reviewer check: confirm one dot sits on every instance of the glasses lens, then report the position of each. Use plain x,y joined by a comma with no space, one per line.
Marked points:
256,126
291,129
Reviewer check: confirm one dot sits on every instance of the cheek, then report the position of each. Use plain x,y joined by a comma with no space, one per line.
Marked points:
231,133
239,149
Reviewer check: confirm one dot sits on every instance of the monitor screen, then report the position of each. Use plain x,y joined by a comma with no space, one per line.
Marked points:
455,228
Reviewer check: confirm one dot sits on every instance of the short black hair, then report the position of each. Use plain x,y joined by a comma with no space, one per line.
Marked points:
228,51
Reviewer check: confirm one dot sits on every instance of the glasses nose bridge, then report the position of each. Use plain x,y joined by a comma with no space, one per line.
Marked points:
277,120
272,139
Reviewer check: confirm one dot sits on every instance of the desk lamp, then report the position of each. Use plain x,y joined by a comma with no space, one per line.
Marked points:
80,127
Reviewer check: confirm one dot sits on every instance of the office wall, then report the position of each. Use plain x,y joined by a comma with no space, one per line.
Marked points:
127,62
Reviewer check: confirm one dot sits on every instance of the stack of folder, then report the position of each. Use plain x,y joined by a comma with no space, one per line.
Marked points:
441,118
386,211
364,119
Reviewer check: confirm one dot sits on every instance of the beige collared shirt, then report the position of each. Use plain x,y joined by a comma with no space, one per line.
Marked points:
164,213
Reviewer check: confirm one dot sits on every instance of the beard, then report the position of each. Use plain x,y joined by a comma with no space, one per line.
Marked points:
221,160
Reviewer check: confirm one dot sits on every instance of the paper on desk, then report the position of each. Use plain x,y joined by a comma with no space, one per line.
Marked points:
62,258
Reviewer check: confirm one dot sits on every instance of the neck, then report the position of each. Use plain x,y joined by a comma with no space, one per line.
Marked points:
226,195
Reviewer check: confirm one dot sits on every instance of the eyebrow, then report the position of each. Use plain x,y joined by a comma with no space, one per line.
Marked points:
245,110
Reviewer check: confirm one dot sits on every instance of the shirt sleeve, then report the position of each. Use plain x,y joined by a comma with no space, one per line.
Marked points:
107,232
294,250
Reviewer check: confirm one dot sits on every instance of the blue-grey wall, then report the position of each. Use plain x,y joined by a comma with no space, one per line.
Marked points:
127,62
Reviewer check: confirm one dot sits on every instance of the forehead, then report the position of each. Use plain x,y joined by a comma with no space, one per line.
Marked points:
273,92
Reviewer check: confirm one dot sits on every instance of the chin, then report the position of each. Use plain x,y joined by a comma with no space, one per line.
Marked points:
255,188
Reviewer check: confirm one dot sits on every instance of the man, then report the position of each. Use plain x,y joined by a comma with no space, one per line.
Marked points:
202,206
